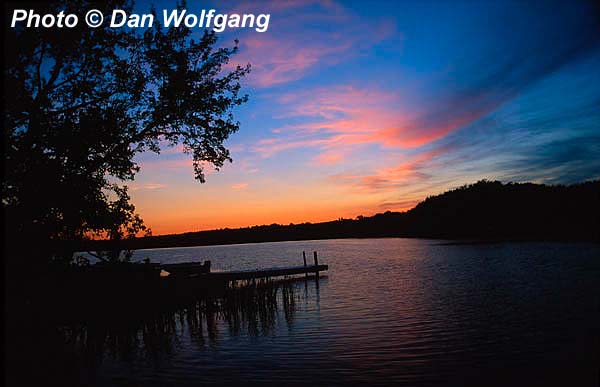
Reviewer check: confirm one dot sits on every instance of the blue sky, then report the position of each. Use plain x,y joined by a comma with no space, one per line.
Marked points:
361,107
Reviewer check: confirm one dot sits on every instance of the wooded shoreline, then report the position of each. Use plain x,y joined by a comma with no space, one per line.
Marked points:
487,211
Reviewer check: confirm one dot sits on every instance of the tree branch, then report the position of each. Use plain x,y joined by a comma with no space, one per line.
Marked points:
83,104
55,73
39,70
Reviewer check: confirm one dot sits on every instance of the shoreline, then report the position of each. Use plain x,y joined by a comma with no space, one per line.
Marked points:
442,241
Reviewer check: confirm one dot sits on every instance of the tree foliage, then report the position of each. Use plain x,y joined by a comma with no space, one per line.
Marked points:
80,103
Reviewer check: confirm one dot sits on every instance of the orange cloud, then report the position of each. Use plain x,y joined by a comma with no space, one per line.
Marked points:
239,186
146,187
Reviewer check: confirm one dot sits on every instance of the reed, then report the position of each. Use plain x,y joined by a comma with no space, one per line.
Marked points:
249,307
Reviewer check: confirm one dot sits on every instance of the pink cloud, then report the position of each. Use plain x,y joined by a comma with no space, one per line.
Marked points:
164,163
278,6
389,179
328,158
341,119
269,146
274,62
338,119
288,54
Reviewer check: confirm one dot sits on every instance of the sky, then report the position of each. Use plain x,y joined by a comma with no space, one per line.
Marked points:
357,108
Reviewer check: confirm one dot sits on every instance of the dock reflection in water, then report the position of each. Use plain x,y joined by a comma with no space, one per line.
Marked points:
255,308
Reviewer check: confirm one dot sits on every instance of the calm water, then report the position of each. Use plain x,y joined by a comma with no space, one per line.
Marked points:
390,311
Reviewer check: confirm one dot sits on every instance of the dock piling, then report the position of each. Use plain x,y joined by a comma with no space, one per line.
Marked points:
304,258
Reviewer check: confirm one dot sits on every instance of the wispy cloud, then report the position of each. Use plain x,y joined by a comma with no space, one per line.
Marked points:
328,158
337,120
239,186
147,187
386,104
387,179
290,51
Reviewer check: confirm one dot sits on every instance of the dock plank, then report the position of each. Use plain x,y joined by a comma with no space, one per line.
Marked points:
264,273
195,270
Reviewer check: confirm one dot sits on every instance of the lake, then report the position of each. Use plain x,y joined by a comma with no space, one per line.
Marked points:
389,311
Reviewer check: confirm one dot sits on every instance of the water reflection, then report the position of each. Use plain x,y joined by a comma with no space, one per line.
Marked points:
390,312
252,308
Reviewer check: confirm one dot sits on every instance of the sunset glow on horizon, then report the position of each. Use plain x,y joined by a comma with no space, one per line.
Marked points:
357,108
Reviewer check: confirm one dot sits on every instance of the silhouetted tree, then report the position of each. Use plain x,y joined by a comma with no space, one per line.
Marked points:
81,102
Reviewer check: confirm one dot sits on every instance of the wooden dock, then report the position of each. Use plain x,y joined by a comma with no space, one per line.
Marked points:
264,273
104,287
201,270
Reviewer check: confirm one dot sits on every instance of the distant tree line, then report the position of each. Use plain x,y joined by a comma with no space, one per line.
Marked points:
486,210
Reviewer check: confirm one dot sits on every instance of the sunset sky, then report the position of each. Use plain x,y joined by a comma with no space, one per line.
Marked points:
362,107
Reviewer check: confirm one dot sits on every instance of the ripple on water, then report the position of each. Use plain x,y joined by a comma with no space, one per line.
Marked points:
401,311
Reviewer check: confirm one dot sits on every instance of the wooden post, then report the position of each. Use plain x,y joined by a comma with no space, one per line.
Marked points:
304,257
316,264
